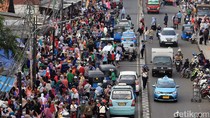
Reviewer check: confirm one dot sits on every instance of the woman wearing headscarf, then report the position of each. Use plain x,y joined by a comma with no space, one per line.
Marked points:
153,23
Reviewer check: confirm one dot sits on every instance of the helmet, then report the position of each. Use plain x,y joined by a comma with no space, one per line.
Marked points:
186,59
207,71
83,102
179,50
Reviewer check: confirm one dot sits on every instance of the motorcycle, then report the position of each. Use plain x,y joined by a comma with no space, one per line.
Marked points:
178,65
205,93
158,31
132,56
186,73
194,74
193,39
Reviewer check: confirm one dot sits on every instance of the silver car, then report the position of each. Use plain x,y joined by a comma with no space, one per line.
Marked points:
168,36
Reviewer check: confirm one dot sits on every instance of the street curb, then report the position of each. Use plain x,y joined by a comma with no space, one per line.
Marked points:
145,93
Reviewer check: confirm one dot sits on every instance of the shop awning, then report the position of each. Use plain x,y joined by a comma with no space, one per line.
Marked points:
6,83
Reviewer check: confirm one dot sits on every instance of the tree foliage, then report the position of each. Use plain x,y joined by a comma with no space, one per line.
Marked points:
7,39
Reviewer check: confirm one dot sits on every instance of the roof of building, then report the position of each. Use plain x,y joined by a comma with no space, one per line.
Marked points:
22,2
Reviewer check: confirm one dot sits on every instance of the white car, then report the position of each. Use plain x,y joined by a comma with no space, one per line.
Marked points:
168,36
130,78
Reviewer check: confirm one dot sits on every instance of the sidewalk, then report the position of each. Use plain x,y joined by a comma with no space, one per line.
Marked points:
206,49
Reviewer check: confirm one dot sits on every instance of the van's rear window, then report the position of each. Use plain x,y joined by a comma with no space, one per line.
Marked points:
121,95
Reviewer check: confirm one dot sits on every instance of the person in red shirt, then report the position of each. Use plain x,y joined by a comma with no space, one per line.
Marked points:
82,69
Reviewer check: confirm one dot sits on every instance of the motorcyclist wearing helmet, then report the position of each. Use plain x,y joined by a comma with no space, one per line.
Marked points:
128,17
201,58
185,66
179,56
194,61
132,50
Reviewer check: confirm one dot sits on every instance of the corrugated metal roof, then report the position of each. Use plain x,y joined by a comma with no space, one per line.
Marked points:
21,2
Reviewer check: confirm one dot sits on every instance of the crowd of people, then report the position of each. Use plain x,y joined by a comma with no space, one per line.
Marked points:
62,70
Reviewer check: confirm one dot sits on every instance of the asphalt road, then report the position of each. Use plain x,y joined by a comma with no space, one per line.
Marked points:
132,8
167,109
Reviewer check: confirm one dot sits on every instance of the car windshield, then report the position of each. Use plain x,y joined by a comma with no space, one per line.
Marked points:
166,84
128,34
127,44
188,28
168,32
153,2
203,11
123,23
162,60
122,95
127,77
119,30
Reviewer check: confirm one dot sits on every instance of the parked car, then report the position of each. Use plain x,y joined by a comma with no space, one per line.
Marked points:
122,101
165,89
130,78
168,36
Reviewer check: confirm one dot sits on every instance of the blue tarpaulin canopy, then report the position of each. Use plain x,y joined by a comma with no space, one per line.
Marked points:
6,83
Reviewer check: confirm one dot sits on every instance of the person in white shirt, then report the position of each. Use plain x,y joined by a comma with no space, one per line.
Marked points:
73,109
117,58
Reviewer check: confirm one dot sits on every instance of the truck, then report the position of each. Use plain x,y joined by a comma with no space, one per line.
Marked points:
162,61
153,6
202,10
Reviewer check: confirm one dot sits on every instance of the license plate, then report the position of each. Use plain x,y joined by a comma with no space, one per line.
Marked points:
165,97
121,103
162,71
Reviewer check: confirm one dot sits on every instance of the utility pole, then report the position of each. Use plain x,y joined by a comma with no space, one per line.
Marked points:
34,70
62,14
30,22
53,33
20,92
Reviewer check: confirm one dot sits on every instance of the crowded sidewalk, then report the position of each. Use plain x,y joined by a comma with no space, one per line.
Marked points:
62,82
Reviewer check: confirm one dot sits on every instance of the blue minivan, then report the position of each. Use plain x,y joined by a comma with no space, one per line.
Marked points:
122,101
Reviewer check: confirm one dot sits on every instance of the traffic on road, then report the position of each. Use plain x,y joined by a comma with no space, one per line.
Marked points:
104,62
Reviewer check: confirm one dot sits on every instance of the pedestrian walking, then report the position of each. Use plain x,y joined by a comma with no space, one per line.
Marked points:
175,21
166,19
145,70
179,16
117,58
163,3
151,33
153,23
142,49
123,13
206,36
201,37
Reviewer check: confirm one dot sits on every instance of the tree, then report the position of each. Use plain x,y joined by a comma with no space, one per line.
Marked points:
7,39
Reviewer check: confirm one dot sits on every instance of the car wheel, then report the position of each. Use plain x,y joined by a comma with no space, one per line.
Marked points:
147,12
161,44
158,12
132,116
153,74
176,44
175,101
155,100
